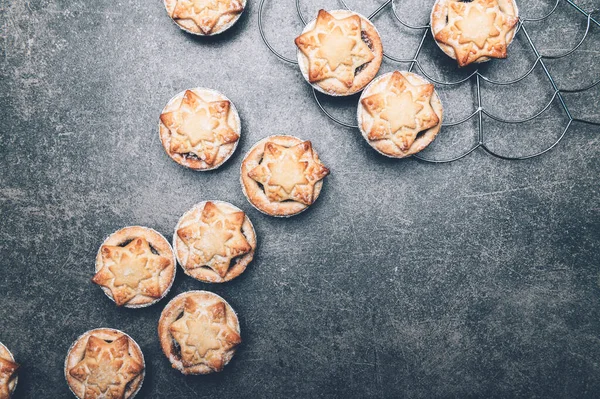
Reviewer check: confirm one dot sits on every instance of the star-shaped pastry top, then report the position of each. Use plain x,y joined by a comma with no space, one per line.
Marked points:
400,111
334,48
476,29
289,173
203,334
199,127
216,240
106,368
206,13
131,270
8,369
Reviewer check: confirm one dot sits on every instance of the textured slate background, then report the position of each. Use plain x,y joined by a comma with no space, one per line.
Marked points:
473,279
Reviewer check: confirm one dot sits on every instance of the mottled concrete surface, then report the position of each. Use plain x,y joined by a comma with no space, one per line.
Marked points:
473,279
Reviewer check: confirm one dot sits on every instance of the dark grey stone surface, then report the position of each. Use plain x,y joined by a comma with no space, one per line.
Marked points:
472,279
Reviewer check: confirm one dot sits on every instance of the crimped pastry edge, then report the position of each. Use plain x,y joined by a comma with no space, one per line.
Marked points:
224,28
247,258
110,330
318,185
164,329
7,353
163,131
449,51
378,52
360,110
107,291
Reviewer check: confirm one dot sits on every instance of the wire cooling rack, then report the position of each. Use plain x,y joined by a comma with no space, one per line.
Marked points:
478,76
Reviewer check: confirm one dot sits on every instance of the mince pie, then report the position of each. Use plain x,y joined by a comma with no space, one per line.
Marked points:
340,52
476,31
8,373
199,332
135,267
399,114
214,241
105,363
205,17
282,175
200,128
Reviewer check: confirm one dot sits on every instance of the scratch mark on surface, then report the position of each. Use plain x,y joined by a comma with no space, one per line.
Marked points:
512,190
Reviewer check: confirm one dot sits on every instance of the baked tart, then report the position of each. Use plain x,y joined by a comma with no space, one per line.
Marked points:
105,363
214,241
199,332
200,128
340,52
475,31
135,266
205,17
282,175
8,373
399,114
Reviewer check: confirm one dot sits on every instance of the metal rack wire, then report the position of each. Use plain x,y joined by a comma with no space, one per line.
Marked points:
480,111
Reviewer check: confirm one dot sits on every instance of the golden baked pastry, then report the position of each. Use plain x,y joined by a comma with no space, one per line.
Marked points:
399,114
282,175
8,373
135,266
200,128
340,52
105,363
214,241
474,31
205,17
199,332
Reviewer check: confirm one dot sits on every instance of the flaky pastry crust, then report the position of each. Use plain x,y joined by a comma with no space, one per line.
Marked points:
135,266
340,52
105,364
282,175
199,332
214,241
399,114
200,128
205,17
8,373
474,32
